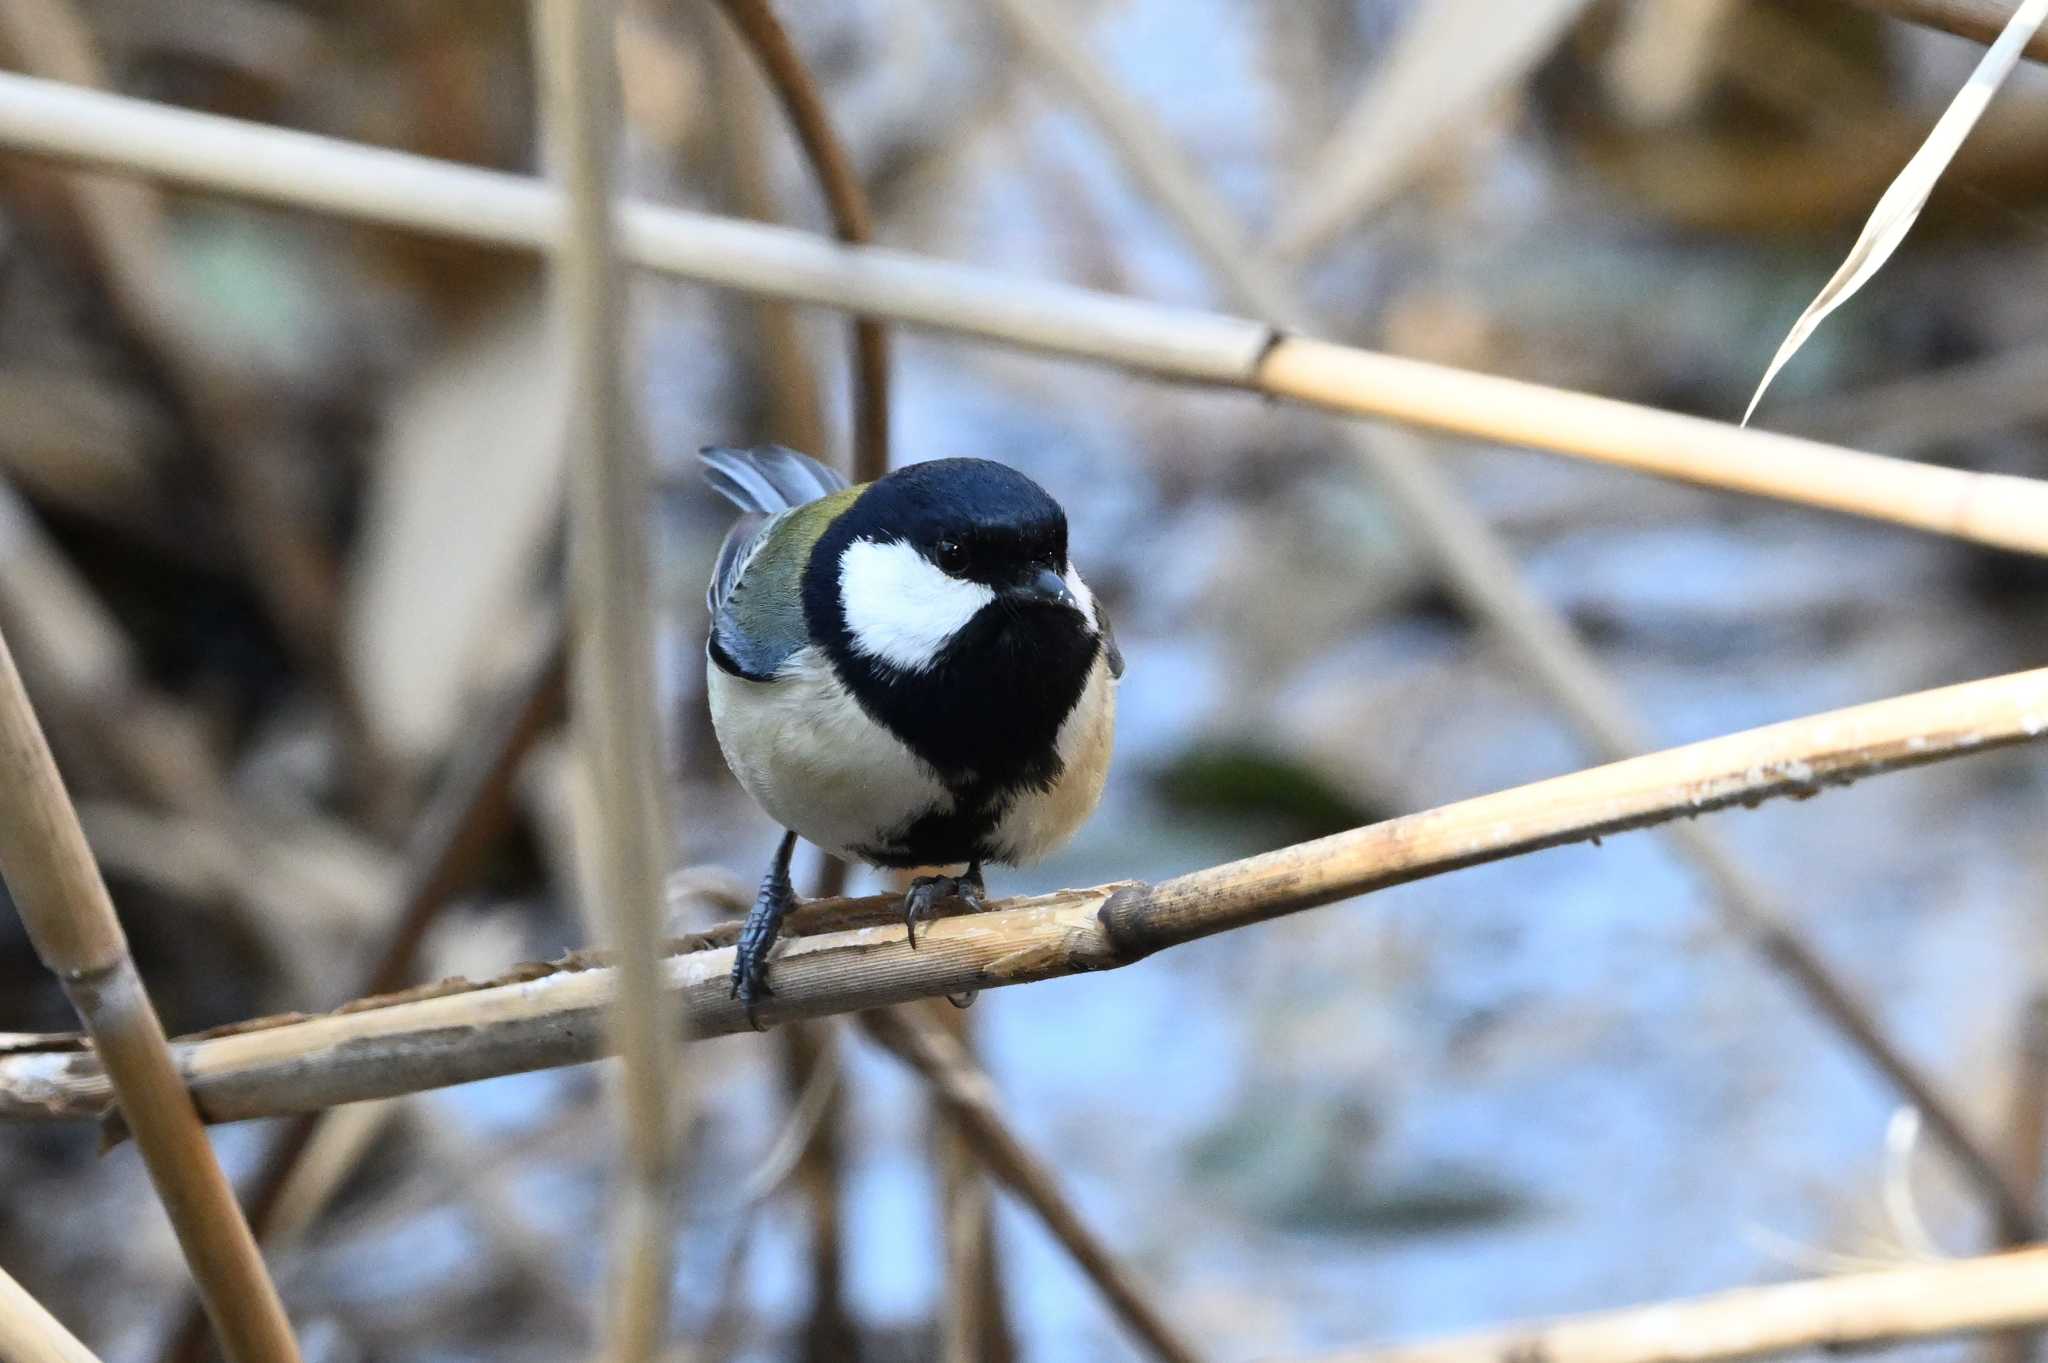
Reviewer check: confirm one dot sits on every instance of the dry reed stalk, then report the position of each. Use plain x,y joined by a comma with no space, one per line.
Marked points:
30,1334
368,184
1855,1311
1447,62
545,1017
970,1097
974,1324
788,375
2026,1150
57,888
456,828
1479,571
623,841
1980,21
851,220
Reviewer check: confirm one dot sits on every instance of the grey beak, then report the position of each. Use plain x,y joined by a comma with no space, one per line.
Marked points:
1047,586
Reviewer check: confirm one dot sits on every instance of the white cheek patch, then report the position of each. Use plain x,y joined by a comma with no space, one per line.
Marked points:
900,609
1083,598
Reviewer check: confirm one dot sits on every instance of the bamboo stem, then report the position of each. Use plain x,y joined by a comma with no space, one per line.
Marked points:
56,886
851,220
30,1334
452,833
1481,574
2026,1149
1981,21
970,1097
368,184
1855,1311
613,714
545,1017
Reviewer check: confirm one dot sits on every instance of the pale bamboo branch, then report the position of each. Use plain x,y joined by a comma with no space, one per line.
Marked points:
30,1334
452,832
970,1097
57,888
1981,21
1856,1311
546,1017
2026,1149
1478,570
851,219
623,844
367,184
974,1325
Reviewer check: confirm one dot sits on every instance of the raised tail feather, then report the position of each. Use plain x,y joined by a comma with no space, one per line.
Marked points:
768,478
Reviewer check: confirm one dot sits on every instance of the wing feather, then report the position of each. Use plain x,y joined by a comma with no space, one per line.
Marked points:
753,632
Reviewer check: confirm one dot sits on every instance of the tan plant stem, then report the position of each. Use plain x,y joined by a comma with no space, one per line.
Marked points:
57,888
851,220
2026,1149
622,838
372,185
967,1094
1981,21
452,834
30,1334
1478,570
548,1016
1855,1311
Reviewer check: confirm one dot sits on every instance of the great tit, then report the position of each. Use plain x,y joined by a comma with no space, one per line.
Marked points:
906,673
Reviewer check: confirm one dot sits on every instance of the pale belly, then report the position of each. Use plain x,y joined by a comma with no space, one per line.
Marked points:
818,764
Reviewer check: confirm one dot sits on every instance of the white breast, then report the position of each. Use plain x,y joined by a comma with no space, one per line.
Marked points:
813,758
1038,823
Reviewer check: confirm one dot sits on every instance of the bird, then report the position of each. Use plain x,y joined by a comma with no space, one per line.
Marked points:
905,673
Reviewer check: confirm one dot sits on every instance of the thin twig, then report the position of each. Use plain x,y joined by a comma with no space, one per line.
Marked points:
974,1324
63,902
30,1334
1855,1311
1478,570
546,1017
459,824
1981,21
851,220
2026,1150
969,1096
368,184
622,843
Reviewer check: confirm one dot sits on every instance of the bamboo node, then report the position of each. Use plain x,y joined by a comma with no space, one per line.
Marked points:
1132,935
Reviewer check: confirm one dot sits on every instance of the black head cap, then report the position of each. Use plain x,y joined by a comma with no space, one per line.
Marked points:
974,518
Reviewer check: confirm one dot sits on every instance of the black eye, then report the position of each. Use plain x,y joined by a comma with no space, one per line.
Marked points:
951,556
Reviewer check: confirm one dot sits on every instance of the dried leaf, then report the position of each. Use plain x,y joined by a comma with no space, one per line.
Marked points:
1901,204
463,504
1449,58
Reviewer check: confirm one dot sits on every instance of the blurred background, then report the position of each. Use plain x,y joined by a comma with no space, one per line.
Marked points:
279,526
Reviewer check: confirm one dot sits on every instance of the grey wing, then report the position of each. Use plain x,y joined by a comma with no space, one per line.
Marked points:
740,542
752,635
753,629
768,478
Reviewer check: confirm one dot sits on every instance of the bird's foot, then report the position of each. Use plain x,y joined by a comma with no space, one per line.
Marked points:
921,901
757,937
921,904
